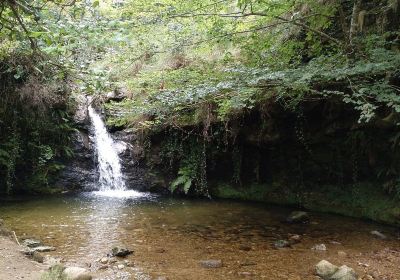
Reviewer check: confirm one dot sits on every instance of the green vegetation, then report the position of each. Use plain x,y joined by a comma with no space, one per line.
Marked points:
288,93
56,272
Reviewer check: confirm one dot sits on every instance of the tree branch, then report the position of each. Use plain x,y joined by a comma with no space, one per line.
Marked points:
21,23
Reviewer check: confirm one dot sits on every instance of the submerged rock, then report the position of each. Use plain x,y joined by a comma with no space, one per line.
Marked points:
77,273
31,243
319,247
120,252
43,249
211,263
298,217
294,238
378,234
244,248
281,244
325,269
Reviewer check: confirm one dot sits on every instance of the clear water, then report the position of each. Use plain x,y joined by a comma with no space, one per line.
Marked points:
108,162
171,236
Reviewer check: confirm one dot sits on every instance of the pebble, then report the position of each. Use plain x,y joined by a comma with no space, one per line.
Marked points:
104,260
121,266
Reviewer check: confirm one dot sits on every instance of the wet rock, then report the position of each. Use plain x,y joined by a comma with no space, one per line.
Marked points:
38,257
298,217
160,250
31,243
120,252
244,248
211,263
378,234
319,247
344,273
115,95
294,238
245,274
43,249
247,263
281,244
77,273
80,170
325,269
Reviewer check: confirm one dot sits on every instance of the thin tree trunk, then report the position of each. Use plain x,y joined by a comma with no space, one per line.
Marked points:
354,21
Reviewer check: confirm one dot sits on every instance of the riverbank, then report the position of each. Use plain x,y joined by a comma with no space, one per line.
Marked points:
14,265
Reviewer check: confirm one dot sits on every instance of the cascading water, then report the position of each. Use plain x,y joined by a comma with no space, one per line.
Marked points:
111,179
109,167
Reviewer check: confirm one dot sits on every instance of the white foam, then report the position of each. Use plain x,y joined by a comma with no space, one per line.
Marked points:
120,193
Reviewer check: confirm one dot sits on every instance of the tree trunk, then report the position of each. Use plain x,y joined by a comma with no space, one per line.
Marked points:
354,21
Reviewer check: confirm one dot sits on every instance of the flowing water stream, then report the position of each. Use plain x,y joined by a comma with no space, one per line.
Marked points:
171,236
111,180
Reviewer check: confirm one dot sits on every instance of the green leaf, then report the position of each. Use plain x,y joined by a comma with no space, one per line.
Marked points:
187,185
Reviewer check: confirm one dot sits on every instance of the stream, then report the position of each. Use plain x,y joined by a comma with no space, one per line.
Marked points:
171,236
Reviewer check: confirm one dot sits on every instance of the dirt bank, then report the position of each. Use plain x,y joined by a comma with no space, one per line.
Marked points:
14,265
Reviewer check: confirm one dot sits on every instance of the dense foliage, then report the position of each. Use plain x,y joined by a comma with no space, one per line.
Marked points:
194,64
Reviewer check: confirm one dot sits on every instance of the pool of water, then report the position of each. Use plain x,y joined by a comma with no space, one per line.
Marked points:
171,236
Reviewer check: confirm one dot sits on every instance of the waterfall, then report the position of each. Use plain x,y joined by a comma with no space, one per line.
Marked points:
109,166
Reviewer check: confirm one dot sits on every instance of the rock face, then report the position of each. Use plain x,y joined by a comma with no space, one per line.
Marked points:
297,217
80,170
77,273
328,271
130,154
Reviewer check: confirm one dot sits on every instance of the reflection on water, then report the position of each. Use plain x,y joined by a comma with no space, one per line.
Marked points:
171,236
